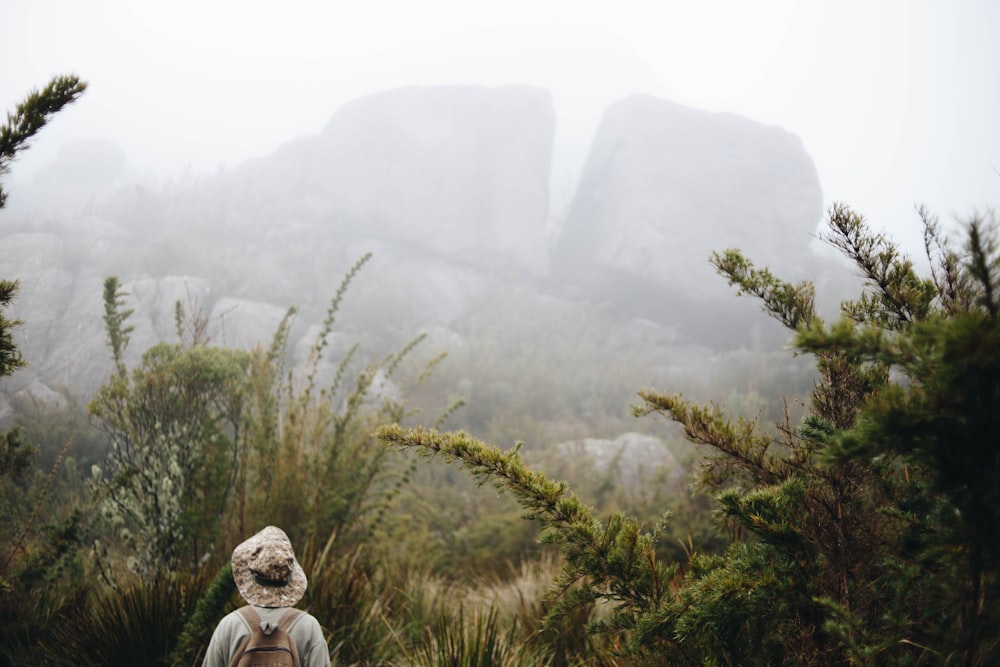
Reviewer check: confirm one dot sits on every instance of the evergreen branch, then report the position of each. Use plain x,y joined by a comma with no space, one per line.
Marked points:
456,405
395,359
506,470
951,282
900,295
739,443
323,337
31,115
279,341
338,378
614,562
331,312
10,356
792,305
857,345
429,368
354,401
983,264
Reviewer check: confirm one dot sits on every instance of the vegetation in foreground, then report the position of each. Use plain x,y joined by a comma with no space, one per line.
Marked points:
865,533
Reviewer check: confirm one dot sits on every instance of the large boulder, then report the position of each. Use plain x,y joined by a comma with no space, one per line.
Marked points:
447,185
61,273
460,171
665,185
63,337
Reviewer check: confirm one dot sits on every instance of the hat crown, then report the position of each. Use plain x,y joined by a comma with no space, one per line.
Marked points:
273,563
266,571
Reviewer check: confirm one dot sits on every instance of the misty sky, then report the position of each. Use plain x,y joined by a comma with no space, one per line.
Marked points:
897,102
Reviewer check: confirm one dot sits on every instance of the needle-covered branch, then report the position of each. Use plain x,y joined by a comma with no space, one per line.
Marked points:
615,562
31,115
793,305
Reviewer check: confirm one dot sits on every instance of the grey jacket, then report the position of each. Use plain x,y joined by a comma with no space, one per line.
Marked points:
232,630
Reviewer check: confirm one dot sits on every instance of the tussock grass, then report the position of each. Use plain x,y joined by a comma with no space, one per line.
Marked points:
136,624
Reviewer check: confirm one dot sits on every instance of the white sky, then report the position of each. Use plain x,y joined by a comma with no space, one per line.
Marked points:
897,102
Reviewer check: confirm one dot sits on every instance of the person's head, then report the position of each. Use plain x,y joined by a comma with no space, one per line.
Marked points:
266,572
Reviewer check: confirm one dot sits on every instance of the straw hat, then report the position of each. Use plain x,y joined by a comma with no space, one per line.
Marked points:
266,572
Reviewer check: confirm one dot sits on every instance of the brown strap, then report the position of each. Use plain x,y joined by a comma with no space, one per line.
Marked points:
287,620
251,617
290,618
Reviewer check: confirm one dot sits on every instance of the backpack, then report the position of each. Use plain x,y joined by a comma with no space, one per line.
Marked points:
273,650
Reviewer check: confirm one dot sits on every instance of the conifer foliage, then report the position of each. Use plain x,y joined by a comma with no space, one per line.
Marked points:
22,124
25,557
866,532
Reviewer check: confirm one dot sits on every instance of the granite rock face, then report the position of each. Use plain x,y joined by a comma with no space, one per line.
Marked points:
665,185
63,336
458,170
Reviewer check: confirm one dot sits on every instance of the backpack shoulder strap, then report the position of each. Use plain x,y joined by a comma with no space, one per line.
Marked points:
287,620
290,618
250,617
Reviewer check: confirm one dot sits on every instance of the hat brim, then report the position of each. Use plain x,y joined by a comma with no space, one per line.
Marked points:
262,595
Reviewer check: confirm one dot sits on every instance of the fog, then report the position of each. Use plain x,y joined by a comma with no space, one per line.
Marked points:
551,172
896,102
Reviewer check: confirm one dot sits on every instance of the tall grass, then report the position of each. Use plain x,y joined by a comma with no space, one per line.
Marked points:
377,616
525,598
372,617
473,639
137,623
352,603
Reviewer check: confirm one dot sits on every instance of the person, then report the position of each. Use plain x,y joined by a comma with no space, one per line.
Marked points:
271,580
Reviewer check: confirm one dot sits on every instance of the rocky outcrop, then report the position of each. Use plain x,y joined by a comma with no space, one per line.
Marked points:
457,171
63,336
665,185
448,186
461,171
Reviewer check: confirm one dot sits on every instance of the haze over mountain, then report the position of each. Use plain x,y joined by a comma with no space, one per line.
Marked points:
246,157
895,102
449,187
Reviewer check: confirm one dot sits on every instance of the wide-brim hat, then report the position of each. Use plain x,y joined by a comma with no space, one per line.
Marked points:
266,572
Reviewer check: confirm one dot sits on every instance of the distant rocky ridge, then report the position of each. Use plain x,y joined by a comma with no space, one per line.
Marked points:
449,187
665,185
